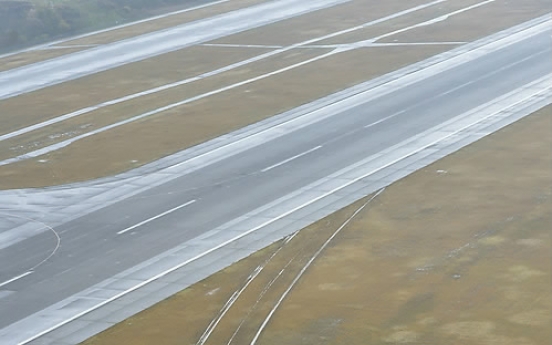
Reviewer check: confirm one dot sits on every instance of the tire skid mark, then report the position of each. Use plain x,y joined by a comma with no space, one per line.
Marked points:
307,266
248,318
236,295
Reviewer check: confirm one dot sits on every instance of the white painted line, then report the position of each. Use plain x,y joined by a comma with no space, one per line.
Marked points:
68,142
291,158
399,44
263,293
60,145
209,74
427,22
229,45
367,44
5,244
15,278
69,47
77,65
307,265
385,118
503,68
156,217
235,296
283,215
161,16
456,88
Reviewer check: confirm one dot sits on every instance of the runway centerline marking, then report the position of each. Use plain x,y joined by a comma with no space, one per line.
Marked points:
343,48
15,278
211,73
244,234
385,118
156,217
459,87
291,158
435,20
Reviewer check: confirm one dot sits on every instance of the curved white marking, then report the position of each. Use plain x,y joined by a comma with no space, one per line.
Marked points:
307,265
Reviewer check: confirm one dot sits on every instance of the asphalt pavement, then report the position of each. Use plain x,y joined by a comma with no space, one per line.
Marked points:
107,56
95,247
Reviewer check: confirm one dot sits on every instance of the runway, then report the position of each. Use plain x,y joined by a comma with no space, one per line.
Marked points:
72,66
101,244
103,250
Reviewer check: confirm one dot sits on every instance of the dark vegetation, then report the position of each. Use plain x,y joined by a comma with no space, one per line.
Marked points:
27,22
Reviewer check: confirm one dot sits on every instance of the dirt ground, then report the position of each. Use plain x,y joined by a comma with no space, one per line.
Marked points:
151,138
457,253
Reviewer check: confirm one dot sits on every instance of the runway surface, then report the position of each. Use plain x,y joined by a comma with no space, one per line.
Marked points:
53,264
99,245
104,57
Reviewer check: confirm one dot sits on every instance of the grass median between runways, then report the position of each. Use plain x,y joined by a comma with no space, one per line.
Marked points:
307,79
457,253
119,149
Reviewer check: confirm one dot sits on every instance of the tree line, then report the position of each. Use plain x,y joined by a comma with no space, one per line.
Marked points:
28,22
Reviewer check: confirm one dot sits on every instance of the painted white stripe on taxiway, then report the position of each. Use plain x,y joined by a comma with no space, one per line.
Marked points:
60,145
113,28
15,278
76,65
283,215
165,87
291,158
156,217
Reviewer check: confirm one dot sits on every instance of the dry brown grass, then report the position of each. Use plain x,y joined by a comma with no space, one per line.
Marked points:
457,253
479,22
399,23
29,57
143,141
24,110
147,140
163,23
320,23
114,113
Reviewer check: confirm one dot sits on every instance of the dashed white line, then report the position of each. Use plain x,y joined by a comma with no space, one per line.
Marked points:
291,158
113,28
456,88
385,119
15,278
211,73
342,48
156,217
268,222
